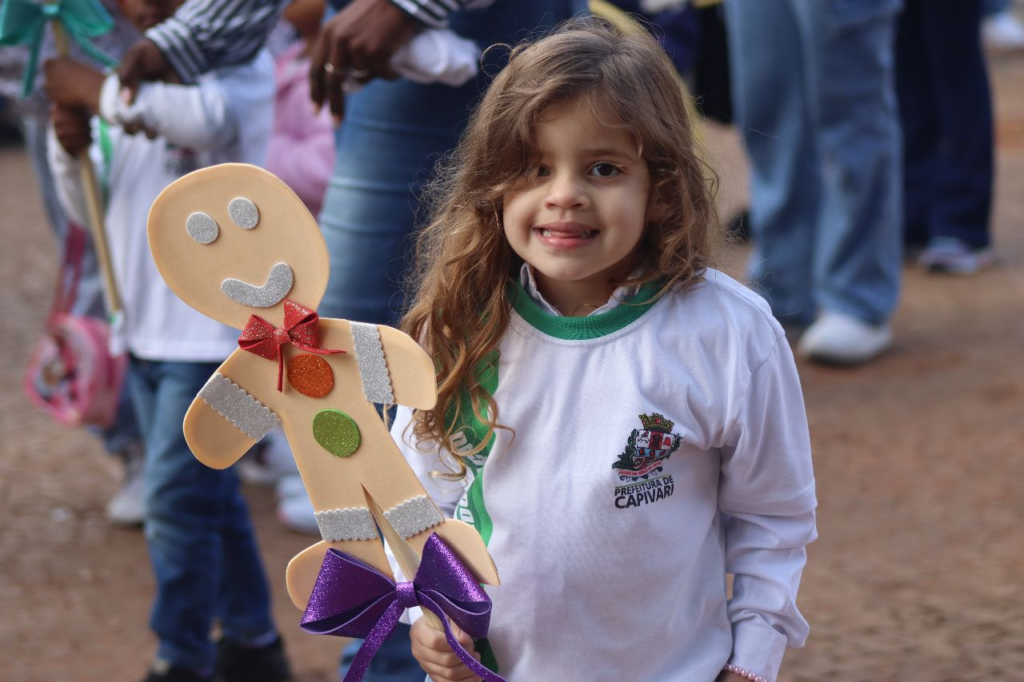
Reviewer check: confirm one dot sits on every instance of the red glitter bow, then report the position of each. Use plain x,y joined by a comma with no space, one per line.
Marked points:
301,329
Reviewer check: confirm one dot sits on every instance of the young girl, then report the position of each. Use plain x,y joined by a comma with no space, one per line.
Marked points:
622,424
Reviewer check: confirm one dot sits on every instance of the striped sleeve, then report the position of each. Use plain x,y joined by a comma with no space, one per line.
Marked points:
209,34
434,13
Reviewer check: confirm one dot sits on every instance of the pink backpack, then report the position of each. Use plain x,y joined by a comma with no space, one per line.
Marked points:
71,374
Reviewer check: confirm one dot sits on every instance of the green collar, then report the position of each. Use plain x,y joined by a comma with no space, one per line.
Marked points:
583,328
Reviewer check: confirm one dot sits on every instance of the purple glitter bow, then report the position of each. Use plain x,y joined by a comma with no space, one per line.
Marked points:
353,599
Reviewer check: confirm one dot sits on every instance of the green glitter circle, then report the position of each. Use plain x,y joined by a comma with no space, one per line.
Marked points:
336,432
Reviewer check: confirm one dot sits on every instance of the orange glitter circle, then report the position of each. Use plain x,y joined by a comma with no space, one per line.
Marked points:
310,375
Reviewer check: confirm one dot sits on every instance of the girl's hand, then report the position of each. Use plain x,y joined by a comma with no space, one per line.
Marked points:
431,650
72,128
72,84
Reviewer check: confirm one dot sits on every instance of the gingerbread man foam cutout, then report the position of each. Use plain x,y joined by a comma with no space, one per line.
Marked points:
233,241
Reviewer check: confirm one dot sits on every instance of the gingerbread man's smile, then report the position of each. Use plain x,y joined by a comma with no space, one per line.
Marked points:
279,283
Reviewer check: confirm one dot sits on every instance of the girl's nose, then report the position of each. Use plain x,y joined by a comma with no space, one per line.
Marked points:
566,192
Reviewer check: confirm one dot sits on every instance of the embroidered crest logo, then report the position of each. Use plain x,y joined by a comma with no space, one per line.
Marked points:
641,463
647,448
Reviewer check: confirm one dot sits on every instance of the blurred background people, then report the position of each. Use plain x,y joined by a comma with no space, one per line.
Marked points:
813,91
202,35
394,132
31,116
946,112
301,150
202,545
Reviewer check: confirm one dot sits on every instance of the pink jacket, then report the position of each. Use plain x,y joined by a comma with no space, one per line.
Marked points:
301,148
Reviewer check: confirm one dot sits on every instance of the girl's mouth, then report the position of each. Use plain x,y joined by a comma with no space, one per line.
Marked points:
565,234
585,234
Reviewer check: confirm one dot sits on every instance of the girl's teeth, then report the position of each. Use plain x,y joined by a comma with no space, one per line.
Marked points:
582,235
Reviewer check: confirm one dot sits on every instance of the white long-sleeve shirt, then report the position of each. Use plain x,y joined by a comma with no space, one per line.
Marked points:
653,450
227,116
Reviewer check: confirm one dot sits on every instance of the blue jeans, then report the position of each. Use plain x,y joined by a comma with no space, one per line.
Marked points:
393,135
201,540
124,432
814,100
946,110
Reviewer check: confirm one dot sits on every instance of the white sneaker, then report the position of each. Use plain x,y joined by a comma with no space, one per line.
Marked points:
290,486
840,339
254,471
1002,32
294,508
128,505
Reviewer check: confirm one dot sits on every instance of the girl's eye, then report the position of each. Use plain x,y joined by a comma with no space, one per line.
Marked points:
541,171
605,170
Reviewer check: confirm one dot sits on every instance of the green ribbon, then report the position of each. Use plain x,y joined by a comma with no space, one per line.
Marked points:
22,22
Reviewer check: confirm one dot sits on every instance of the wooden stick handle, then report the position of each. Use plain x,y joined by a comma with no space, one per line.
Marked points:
93,203
406,556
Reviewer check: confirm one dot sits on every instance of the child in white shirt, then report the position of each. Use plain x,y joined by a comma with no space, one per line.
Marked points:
202,546
622,424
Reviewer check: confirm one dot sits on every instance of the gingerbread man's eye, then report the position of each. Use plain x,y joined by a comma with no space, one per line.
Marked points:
202,228
244,213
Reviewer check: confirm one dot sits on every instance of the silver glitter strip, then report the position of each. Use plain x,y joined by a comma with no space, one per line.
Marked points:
279,283
244,213
414,516
373,368
202,228
231,401
354,523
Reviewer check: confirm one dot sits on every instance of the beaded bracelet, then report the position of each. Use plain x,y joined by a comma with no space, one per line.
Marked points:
744,673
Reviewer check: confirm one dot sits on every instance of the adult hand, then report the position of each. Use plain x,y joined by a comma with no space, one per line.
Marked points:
143,61
72,128
72,84
359,41
430,649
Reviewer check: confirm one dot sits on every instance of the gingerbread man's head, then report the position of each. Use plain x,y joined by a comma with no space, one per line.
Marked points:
233,240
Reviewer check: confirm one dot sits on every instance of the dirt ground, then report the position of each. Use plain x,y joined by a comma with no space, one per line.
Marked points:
919,458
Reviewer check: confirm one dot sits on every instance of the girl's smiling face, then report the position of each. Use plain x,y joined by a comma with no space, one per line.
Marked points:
580,213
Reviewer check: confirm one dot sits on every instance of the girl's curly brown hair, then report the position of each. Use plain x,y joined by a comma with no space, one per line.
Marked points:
461,309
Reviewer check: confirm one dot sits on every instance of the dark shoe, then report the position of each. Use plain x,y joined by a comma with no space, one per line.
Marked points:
954,257
162,671
237,663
